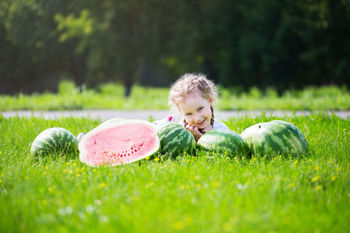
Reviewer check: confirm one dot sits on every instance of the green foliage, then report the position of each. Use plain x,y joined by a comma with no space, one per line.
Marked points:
33,59
211,193
67,88
261,43
110,96
74,27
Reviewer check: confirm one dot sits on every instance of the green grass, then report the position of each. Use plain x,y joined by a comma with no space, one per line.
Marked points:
110,96
210,193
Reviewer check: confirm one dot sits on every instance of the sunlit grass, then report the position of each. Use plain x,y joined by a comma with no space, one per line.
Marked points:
111,96
210,193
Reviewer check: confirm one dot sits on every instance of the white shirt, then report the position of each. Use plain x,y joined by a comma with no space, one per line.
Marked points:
217,124
220,125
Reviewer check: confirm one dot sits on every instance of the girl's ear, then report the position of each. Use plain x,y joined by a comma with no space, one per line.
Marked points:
211,101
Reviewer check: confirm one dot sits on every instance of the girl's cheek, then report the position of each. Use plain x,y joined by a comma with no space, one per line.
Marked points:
187,119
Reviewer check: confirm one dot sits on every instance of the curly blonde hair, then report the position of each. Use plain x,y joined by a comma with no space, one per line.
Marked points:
188,83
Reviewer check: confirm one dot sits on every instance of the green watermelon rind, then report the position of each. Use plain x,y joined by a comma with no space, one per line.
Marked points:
54,140
224,141
112,121
275,138
176,140
82,150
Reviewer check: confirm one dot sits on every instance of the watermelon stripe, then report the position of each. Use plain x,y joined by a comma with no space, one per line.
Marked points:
295,138
175,131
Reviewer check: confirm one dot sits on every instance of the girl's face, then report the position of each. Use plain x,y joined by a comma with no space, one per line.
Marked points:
196,109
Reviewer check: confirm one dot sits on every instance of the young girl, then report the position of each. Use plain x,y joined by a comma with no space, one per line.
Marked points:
193,96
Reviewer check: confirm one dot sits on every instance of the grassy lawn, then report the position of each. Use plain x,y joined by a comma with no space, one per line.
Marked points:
210,193
110,96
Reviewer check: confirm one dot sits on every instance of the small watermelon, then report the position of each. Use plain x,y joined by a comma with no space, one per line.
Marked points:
274,138
54,140
119,142
224,141
176,140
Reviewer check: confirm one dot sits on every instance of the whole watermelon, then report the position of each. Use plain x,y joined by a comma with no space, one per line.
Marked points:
175,140
275,138
54,141
224,141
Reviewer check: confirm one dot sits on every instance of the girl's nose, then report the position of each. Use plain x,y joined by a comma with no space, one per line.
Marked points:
197,118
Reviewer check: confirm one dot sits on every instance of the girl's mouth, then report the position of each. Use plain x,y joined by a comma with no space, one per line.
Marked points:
200,123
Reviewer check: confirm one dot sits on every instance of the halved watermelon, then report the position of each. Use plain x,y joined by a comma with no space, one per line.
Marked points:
119,143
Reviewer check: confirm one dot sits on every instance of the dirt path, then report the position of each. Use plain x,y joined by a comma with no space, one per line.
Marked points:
155,114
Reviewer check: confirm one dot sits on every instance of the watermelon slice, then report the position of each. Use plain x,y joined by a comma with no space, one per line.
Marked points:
119,143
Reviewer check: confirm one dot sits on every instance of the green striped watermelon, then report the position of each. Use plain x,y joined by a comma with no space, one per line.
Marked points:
54,141
275,138
176,140
224,141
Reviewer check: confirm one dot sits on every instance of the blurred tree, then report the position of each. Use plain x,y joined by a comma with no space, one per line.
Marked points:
278,43
34,58
127,35
247,43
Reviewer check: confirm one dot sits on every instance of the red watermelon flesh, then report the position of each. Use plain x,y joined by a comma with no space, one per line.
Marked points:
119,143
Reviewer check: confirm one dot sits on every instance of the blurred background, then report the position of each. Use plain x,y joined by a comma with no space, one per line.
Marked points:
263,43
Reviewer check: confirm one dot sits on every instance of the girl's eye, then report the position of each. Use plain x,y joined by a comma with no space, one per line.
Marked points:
188,114
200,108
